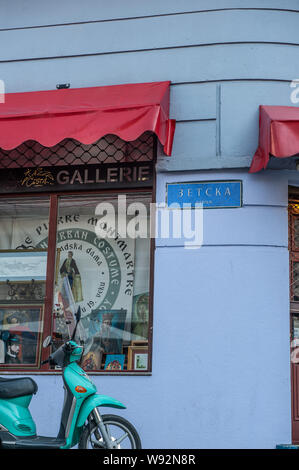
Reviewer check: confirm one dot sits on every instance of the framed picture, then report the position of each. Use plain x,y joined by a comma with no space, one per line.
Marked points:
140,316
138,358
115,362
106,329
20,336
23,265
139,343
22,291
92,360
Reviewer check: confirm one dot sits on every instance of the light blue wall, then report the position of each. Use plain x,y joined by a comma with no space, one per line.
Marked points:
221,331
224,58
226,314
221,313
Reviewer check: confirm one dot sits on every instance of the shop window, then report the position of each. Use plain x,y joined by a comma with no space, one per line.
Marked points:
96,268
23,265
108,277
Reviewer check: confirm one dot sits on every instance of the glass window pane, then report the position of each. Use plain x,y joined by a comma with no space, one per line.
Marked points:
23,263
295,281
295,325
106,272
296,232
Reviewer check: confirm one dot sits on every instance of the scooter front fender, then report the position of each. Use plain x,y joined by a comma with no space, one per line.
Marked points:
92,402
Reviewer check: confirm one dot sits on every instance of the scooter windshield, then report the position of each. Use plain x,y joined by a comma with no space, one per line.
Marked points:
58,357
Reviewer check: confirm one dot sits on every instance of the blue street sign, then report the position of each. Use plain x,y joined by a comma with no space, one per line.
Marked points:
211,194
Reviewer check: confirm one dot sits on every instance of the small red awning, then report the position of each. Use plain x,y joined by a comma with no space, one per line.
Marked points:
87,114
279,135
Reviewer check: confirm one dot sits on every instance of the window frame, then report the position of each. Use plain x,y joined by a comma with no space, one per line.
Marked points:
51,267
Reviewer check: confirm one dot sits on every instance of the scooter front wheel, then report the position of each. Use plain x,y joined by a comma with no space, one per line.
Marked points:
120,432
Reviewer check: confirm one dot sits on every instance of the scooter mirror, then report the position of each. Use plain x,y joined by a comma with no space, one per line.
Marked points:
78,317
78,314
47,342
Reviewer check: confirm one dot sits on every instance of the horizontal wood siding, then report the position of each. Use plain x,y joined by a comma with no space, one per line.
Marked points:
19,14
214,27
224,58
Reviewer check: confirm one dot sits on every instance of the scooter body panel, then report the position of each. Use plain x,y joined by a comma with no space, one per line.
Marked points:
92,402
16,417
75,377
83,409
83,402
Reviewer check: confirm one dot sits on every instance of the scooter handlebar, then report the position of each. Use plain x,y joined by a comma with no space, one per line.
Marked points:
58,356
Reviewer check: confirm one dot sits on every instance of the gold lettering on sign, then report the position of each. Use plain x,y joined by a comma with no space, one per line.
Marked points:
36,178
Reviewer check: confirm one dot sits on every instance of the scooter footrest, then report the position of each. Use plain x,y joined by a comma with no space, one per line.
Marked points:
40,442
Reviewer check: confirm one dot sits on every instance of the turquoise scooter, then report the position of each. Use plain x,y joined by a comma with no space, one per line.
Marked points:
81,422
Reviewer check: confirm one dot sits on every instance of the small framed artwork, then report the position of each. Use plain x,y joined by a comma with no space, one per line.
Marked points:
16,292
140,316
115,362
20,336
138,358
23,265
106,329
139,343
92,360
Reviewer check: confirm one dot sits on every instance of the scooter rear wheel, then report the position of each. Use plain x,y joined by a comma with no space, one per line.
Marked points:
122,434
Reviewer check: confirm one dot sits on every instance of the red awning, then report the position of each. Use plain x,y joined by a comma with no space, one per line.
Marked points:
87,114
279,135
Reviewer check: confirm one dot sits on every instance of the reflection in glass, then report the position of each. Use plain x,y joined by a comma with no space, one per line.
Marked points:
296,232
20,335
108,277
295,281
23,260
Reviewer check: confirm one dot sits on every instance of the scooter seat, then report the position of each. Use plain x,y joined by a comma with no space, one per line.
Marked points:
13,388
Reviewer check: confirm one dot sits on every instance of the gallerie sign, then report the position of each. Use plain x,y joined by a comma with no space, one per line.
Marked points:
78,177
